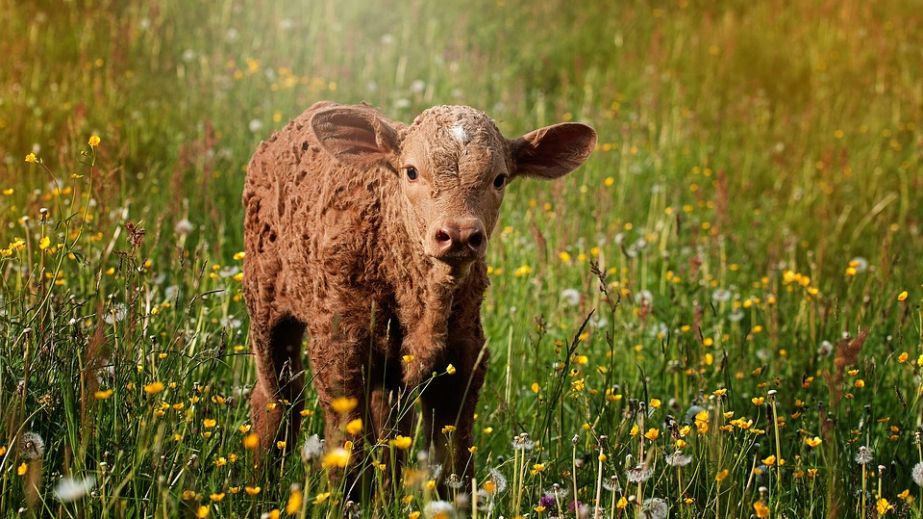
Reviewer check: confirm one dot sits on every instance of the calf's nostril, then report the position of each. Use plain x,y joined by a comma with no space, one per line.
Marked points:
442,236
475,239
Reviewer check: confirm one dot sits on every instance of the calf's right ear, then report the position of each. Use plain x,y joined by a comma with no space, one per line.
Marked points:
356,136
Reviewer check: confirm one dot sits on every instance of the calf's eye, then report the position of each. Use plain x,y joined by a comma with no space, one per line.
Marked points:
411,173
500,181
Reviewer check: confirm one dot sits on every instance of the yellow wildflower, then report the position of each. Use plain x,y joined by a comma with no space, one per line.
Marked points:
338,458
354,427
154,387
293,506
344,404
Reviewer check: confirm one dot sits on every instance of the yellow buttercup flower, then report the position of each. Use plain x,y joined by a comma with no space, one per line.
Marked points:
338,458
293,506
94,140
344,404
902,296
251,441
402,442
154,387
31,158
354,427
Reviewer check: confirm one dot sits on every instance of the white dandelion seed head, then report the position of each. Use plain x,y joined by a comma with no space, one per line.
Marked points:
639,473
644,297
557,491
917,474
116,313
611,484
860,264
418,86
255,125
571,296
721,295
499,480
654,508
31,446
825,349
69,489
438,509
522,442
183,227
864,456
455,481
678,459
312,449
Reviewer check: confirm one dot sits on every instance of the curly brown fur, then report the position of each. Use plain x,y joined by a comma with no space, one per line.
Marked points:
375,265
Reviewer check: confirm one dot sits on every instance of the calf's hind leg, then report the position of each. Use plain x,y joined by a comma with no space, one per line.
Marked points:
280,379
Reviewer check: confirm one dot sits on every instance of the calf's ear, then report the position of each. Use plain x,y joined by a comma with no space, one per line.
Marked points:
552,151
356,135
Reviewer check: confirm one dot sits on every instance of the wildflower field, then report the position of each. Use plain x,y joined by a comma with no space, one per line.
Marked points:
719,315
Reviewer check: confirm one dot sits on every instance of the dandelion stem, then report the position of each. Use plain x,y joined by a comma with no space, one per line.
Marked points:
599,485
573,474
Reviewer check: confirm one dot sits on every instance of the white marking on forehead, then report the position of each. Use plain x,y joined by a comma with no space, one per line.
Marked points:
459,133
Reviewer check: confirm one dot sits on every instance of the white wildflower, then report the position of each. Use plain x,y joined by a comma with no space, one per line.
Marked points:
917,474
440,509
644,297
639,473
654,508
69,489
678,459
864,456
860,264
571,296
499,480
312,449
417,86
116,313
721,295
31,446
183,227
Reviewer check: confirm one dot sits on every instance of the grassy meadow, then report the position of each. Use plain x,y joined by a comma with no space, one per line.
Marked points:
718,316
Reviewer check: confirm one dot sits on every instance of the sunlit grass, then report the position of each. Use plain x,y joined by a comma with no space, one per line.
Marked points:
719,315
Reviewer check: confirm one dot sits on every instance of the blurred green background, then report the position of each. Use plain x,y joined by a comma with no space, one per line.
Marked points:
756,195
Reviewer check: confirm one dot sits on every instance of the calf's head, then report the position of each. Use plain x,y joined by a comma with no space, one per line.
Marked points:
453,165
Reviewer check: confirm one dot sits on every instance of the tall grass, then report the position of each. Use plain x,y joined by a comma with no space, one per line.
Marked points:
734,276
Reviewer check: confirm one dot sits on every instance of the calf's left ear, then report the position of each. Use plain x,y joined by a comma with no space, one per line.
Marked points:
552,151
